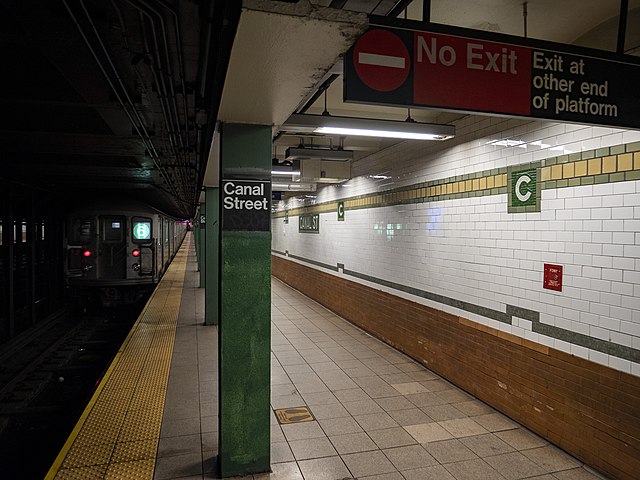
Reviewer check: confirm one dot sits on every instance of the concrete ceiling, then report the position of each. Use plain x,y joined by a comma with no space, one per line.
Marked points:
283,52
271,70
100,99
277,58
68,128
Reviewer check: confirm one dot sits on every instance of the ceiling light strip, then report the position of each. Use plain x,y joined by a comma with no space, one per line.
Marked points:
333,125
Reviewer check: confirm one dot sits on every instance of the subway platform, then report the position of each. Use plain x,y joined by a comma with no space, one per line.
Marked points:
344,405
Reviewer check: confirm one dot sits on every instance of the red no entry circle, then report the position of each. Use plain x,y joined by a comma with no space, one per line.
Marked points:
381,60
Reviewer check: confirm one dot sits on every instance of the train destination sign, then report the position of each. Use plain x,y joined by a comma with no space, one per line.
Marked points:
246,205
142,230
453,69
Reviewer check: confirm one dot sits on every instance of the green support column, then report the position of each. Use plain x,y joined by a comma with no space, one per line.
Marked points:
211,234
196,237
201,242
245,302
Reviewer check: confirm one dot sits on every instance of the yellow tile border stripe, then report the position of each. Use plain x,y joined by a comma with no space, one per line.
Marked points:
487,182
176,272
617,163
608,164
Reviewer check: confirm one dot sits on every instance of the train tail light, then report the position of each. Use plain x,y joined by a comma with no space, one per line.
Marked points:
135,253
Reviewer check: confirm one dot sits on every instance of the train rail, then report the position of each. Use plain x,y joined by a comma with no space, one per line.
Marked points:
46,379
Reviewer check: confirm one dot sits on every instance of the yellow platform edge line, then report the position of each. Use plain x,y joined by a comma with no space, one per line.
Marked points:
57,463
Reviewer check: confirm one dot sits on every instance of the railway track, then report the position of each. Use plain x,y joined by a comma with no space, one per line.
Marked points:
46,379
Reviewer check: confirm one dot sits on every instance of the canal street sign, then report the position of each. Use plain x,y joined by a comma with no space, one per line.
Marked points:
309,223
246,205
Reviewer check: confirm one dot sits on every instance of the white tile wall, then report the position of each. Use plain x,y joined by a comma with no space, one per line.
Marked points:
473,250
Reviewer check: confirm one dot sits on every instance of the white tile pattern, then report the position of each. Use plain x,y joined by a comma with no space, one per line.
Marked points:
471,249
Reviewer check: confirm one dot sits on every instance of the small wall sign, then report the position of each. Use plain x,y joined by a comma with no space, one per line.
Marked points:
309,223
341,211
524,190
553,277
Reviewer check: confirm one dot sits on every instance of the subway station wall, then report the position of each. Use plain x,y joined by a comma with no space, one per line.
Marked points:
440,255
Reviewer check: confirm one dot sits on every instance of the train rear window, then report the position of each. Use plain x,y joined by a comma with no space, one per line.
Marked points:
112,229
141,229
80,230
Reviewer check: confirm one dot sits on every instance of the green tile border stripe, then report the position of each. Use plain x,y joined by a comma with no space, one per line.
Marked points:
308,260
415,194
314,262
452,302
599,345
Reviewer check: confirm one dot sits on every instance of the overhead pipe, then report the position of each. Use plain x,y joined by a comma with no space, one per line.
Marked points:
322,88
223,16
160,87
137,123
160,84
125,40
205,42
204,50
169,70
170,8
398,8
123,27
622,25
171,123
183,138
426,11
170,120
172,117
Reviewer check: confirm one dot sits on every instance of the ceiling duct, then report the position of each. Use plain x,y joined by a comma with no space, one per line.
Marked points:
322,171
301,153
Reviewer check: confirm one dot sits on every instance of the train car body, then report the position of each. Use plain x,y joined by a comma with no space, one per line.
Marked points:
117,251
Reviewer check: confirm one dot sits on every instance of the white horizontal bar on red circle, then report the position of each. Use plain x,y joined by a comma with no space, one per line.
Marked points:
381,60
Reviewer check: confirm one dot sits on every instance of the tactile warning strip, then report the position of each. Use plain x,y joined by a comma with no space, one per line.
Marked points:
117,434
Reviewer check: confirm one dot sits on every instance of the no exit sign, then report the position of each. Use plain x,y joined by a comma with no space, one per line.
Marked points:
399,63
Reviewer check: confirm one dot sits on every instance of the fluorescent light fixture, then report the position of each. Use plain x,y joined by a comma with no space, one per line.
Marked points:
369,127
285,172
361,132
302,153
293,187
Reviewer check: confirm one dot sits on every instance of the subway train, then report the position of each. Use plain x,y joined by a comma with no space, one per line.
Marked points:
117,251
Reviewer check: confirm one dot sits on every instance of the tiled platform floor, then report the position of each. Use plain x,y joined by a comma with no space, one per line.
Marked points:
382,416
379,415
